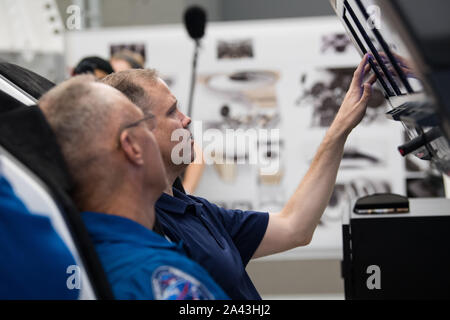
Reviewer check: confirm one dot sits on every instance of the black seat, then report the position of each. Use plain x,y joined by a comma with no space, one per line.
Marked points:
30,82
8,103
27,137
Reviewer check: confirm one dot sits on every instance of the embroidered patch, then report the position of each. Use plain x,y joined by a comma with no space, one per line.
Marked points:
170,283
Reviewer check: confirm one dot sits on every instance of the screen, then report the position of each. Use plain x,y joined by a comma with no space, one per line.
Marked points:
391,60
430,25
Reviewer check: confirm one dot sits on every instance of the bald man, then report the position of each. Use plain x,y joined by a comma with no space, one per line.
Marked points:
118,173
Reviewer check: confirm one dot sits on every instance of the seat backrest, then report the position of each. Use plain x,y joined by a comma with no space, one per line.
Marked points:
36,196
34,165
29,82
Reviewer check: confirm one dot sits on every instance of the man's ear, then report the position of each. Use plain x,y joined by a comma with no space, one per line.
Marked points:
131,148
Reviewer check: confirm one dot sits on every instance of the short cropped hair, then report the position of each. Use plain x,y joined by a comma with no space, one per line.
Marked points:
80,117
129,82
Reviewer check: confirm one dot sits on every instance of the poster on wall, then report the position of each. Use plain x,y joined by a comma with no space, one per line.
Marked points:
138,48
266,93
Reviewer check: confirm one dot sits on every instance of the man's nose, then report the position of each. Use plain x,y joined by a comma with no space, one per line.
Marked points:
186,121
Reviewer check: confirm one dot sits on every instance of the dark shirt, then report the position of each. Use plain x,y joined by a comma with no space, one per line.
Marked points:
222,241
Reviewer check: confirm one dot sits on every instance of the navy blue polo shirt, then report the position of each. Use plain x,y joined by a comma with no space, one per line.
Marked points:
142,265
222,241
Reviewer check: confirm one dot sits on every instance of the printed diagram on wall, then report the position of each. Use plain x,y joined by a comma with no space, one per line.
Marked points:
355,158
235,49
139,48
336,43
271,193
247,100
345,193
323,90
364,169
358,155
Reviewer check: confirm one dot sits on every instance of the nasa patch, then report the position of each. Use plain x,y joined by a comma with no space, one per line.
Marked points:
170,283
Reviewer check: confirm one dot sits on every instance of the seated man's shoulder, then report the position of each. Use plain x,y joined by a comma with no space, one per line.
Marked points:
208,205
165,275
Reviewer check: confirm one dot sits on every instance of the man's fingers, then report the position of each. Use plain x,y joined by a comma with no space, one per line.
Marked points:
367,69
362,64
372,79
366,94
359,73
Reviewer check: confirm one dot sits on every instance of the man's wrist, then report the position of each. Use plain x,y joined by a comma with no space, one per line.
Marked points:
339,130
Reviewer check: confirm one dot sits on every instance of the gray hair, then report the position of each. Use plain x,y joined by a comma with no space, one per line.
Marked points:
129,82
80,117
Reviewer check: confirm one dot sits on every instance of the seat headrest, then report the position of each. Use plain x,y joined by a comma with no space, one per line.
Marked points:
27,136
25,133
28,81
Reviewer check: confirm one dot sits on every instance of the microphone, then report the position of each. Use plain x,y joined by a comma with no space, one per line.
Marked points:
195,19
195,22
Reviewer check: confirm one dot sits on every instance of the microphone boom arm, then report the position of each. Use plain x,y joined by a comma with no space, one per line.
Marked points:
193,78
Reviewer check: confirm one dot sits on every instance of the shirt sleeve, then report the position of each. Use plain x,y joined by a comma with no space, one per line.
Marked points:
246,228
172,277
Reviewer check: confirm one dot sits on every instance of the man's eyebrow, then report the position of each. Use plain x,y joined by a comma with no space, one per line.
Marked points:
173,107
148,115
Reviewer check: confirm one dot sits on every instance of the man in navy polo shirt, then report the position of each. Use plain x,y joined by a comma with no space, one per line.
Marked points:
118,175
224,241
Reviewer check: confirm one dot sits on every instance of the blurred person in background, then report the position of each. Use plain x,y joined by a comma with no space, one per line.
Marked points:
194,172
127,59
96,66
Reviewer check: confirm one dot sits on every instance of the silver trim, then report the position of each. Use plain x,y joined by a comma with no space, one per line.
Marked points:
16,92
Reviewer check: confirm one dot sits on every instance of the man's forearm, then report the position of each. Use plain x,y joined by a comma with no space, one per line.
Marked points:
311,198
295,224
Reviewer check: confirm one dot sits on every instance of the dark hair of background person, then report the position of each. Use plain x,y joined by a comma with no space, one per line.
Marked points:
90,64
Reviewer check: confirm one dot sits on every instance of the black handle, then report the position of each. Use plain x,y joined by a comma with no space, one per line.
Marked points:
419,141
